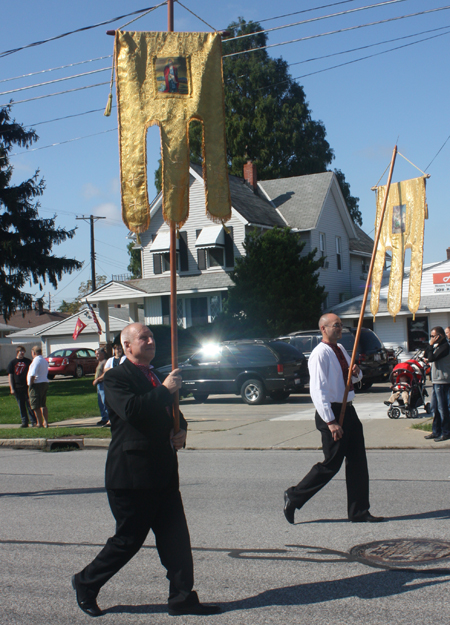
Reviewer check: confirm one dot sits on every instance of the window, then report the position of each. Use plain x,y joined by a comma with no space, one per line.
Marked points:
214,306
161,262
338,253
211,257
322,246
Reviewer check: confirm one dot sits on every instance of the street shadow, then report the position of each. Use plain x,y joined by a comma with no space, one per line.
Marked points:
378,584
56,491
431,514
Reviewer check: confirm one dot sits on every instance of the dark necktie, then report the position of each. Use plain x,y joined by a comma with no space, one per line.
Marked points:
342,361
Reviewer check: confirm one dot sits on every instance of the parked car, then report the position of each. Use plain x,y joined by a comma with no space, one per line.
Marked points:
71,361
375,361
252,369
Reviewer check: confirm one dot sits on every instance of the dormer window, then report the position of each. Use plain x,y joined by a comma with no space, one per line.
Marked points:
210,245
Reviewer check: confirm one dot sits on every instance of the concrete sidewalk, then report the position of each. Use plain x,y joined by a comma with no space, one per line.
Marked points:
256,431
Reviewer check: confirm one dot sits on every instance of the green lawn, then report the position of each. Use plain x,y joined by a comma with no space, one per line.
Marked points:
66,399
59,432
426,427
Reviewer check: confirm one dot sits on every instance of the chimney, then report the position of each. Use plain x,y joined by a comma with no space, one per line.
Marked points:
448,253
250,175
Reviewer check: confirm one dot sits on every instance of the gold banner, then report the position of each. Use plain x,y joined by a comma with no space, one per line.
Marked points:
170,79
403,227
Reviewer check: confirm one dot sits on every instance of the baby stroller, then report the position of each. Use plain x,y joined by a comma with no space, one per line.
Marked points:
408,380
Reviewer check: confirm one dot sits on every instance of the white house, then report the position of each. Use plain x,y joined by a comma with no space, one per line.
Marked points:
312,205
405,332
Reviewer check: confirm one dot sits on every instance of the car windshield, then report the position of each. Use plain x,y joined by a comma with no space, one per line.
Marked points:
208,354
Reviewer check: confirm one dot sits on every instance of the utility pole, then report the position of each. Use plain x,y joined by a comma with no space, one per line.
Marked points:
92,219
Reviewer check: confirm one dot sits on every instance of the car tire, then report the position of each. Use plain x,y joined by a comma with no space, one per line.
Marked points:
366,385
78,372
51,376
253,392
279,395
200,398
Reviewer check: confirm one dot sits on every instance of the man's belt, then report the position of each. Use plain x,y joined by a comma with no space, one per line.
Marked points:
339,404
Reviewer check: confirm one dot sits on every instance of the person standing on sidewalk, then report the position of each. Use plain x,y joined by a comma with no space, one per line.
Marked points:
17,377
438,354
38,386
98,382
328,368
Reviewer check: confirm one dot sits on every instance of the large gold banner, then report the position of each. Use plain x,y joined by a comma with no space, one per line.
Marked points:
403,227
169,79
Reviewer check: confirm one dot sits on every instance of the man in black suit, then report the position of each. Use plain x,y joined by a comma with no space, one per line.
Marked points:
142,478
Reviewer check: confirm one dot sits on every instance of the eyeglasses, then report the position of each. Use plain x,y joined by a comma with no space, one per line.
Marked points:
434,335
336,325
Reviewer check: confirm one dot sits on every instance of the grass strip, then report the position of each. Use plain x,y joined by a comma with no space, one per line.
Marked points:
426,427
66,399
59,432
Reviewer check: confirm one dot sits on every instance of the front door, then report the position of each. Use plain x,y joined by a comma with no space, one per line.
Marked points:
199,311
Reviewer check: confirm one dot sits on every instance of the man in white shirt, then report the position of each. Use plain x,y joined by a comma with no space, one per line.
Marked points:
37,386
328,368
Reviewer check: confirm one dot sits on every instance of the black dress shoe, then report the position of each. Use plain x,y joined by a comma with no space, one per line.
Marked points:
431,436
368,518
87,601
289,509
191,605
441,438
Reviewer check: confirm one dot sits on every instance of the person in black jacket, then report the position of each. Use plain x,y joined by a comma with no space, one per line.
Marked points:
438,354
142,478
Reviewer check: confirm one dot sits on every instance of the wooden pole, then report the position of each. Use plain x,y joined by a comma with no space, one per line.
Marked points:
366,290
173,279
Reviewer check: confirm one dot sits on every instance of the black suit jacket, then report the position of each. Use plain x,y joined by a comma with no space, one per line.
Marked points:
140,454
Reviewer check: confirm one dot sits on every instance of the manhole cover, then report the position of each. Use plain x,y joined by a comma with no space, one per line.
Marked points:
403,551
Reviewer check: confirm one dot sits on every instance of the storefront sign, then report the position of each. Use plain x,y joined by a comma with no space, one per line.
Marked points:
441,282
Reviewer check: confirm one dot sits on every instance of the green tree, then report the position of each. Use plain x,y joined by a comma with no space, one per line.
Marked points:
26,241
134,266
69,307
276,289
351,201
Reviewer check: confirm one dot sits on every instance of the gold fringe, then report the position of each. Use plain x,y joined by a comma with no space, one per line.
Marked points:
107,112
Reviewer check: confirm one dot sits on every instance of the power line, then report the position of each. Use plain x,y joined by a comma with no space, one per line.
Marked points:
324,6
54,69
438,152
52,145
334,32
52,82
49,95
78,30
316,19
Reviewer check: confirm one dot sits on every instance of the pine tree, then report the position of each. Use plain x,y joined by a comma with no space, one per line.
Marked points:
26,241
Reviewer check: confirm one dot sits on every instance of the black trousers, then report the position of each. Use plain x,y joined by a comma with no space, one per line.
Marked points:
136,513
351,447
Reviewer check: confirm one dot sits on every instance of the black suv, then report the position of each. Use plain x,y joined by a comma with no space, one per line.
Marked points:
250,368
375,361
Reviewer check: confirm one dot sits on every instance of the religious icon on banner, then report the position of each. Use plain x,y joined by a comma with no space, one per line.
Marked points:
403,228
170,79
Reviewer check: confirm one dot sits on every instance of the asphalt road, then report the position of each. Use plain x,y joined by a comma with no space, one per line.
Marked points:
261,570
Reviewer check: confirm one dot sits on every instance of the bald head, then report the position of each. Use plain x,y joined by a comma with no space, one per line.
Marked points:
138,343
331,327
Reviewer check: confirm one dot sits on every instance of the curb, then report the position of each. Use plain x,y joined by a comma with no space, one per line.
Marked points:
49,444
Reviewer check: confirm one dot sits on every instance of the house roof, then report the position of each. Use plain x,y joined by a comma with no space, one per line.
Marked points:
31,319
185,284
299,199
363,244
254,208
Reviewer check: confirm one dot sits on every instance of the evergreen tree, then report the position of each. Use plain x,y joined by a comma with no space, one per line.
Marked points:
134,266
26,241
275,290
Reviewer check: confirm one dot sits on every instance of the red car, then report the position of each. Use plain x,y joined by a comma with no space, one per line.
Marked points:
71,361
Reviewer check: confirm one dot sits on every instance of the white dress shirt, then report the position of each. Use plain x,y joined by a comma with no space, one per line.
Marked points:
326,381
39,369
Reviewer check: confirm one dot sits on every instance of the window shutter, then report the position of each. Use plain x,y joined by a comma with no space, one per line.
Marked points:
183,251
165,309
157,263
229,248
201,257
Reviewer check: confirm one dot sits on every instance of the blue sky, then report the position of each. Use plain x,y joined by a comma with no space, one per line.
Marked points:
367,106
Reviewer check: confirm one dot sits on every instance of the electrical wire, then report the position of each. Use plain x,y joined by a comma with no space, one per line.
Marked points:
334,32
54,69
438,152
363,58
324,6
50,95
52,82
316,19
52,145
371,45
78,30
